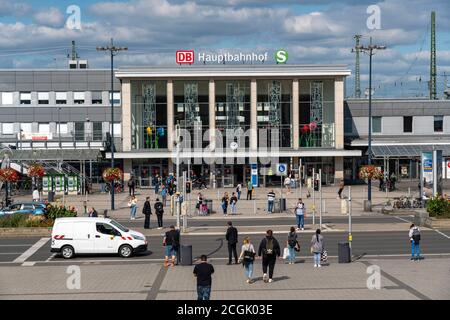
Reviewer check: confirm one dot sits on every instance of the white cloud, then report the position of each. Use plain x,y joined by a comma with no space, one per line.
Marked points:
50,17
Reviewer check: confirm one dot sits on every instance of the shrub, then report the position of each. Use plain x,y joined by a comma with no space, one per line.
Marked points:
12,221
54,212
438,207
19,220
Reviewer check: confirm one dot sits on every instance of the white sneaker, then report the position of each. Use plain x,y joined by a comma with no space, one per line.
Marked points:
315,266
318,266
303,229
298,229
270,280
248,280
265,277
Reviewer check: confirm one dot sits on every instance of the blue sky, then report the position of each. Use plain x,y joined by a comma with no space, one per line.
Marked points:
33,34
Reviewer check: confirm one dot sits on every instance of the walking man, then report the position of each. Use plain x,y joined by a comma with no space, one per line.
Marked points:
270,201
171,242
203,272
233,203
269,249
249,190
232,238
414,237
159,213
341,188
157,182
164,195
300,214
131,186
147,211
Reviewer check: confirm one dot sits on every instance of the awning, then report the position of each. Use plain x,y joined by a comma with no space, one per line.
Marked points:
407,151
55,154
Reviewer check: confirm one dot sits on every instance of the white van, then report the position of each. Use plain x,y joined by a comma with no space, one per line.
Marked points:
93,236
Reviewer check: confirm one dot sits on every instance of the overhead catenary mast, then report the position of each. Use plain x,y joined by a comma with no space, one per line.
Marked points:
357,67
433,95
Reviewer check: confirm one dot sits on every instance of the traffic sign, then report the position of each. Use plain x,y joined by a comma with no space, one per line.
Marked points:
281,169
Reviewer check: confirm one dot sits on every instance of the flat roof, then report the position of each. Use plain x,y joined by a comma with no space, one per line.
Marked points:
243,70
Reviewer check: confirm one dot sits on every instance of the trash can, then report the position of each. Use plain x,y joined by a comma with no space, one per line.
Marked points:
209,203
283,205
186,255
344,252
51,196
344,206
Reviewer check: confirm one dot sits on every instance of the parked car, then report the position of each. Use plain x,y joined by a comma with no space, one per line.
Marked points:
34,208
81,235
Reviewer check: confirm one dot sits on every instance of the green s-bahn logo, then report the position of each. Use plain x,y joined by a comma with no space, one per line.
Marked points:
281,56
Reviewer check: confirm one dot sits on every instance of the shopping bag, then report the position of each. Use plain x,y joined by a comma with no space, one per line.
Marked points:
324,256
285,253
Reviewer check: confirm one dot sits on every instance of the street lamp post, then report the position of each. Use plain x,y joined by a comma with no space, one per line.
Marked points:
113,51
59,126
370,51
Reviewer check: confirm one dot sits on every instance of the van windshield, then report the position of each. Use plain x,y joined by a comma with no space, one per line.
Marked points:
119,226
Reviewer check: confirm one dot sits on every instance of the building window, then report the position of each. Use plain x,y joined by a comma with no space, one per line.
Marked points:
97,97
7,98
348,125
63,126
79,131
408,124
44,128
7,128
376,124
43,97
117,129
97,131
25,98
26,127
438,123
116,98
78,97
61,97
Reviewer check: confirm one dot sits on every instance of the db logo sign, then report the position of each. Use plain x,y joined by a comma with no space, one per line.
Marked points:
185,56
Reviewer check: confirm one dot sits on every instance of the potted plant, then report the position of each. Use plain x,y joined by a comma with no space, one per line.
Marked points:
36,171
112,175
369,172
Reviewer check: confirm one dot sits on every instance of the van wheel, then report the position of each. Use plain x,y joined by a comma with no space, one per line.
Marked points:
67,252
126,251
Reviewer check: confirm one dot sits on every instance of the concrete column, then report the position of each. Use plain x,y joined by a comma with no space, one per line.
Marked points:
295,114
212,113
338,168
253,116
170,124
127,169
339,112
126,115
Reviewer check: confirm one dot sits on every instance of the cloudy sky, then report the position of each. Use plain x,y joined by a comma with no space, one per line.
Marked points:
35,34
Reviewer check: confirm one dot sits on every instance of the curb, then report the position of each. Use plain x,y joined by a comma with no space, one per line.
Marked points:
25,232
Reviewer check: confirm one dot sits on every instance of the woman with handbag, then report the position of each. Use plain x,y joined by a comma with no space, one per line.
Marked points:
317,248
247,258
292,245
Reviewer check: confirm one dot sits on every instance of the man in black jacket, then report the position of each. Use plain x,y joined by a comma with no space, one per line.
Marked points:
147,211
232,238
159,213
269,248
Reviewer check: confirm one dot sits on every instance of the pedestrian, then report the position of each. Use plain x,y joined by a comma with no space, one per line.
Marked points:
414,237
203,272
159,212
225,203
147,211
381,180
164,195
292,245
131,186
317,248
133,207
171,242
233,203
249,190
204,208
287,184
36,196
270,201
247,257
269,249
157,181
239,190
232,238
199,203
92,213
300,209
341,188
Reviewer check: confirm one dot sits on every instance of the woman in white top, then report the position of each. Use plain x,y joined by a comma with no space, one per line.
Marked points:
247,258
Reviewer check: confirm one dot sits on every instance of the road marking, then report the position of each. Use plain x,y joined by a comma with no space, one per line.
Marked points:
11,253
24,256
409,221
442,234
28,264
51,257
16,245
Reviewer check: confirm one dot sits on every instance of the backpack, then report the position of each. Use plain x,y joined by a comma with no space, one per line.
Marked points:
269,247
292,240
130,183
249,256
416,235
159,207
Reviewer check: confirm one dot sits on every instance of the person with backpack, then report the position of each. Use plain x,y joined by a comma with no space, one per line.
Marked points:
159,212
317,248
199,203
300,214
164,195
171,242
292,245
147,211
269,249
414,237
232,238
225,203
270,201
233,203
131,186
247,257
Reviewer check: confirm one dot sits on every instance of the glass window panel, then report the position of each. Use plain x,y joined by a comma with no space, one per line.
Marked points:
7,98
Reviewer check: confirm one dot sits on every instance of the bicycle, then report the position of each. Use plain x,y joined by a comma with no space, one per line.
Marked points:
117,187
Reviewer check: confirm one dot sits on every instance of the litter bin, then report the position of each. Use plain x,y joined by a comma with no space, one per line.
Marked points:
209,203
283,205
186,255
51,196
344,252
344,206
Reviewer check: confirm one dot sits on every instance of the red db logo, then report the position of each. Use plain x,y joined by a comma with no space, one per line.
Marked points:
185,56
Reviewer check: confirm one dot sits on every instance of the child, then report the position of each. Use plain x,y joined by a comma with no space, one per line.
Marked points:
204,208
